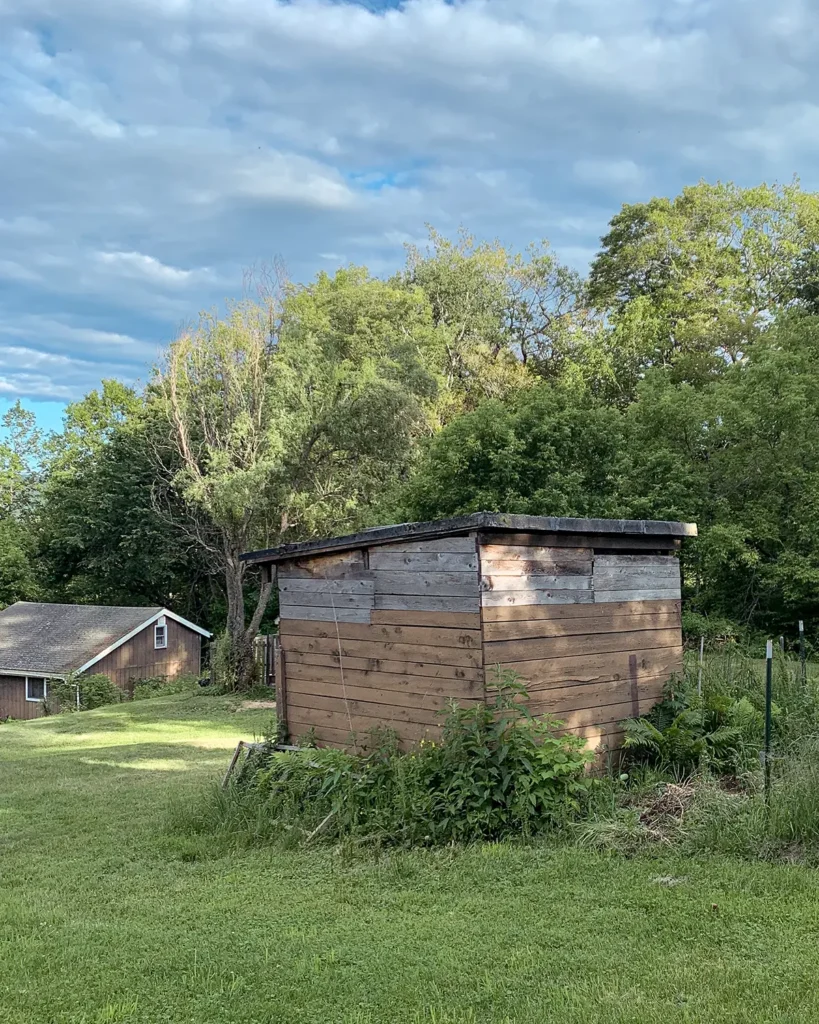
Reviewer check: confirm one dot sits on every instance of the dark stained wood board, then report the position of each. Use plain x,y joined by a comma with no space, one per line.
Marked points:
418,653
538,675
381,688
450,620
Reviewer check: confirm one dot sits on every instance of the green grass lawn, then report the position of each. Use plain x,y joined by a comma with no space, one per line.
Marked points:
105,917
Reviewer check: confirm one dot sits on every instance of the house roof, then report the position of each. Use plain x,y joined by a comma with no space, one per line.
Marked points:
476,521
55,639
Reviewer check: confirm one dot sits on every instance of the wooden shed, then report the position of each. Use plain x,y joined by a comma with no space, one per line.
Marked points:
386,626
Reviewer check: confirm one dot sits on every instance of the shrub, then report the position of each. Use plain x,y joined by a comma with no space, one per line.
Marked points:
497,772
160,686
95,691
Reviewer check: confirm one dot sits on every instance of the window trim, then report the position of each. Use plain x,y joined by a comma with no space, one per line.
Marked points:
162,625
40,679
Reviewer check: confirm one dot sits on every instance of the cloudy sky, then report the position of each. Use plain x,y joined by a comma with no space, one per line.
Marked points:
151,149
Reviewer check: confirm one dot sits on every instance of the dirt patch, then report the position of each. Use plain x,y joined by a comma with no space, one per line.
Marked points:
253,705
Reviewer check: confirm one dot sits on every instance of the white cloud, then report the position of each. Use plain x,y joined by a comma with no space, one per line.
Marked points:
149,149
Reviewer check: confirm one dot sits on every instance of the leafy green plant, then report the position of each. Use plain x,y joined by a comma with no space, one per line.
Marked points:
496,772
161,686
82,693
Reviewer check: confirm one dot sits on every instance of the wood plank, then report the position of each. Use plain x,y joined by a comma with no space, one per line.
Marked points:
408,603
638,572
537,552
666,594
424,561
389,665
540,675
296,585
577,625
298,612
536,567
630,544
450,620
611,714
381,713
506,598
432,584
447,545
419,653
537,582
404,687
305,599
424,635
536,612
343,724
624,561
537,648
592,695
323,566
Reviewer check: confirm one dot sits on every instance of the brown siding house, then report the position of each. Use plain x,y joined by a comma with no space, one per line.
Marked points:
43,642
385,627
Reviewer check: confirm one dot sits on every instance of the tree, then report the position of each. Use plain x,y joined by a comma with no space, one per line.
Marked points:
694,282
545,451
281,425
501,319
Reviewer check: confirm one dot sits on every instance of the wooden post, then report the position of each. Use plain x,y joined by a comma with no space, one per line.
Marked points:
768,703
782,645
699,671
281,688
802,660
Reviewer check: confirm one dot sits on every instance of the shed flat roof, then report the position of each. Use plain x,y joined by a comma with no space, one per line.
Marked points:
465,524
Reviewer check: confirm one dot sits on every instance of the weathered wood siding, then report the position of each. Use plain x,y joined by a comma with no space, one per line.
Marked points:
137,659
591,625
383,637
13,699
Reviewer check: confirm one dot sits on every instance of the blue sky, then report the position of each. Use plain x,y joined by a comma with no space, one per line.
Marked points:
152,149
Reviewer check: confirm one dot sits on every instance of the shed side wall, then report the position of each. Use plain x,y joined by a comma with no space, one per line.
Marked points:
13,699
383,637
593,631
137,659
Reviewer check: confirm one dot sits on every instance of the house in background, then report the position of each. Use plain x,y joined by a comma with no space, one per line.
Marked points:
40,642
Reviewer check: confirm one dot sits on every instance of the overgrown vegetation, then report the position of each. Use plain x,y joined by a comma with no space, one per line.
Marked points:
496,773
83,693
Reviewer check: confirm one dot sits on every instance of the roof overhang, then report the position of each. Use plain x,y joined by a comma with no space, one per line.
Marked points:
32,673
466,524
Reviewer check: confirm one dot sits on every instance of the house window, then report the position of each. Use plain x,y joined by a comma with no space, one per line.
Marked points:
36,689
160,634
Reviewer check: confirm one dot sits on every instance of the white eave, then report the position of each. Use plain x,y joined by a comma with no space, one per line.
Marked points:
133,633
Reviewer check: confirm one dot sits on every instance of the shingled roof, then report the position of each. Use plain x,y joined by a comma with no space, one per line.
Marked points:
55,639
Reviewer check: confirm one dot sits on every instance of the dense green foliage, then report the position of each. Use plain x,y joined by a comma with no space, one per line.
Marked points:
678,381
83,693
495,773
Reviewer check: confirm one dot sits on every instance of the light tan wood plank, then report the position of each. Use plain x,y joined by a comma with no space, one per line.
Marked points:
593,695
538,675
423,635
391,666
419,653
450,620
414,687
359,724
383,714
540,553
668,618
536,612
324,566
539,648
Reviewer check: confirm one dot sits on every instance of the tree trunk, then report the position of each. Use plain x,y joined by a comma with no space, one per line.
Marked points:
239,663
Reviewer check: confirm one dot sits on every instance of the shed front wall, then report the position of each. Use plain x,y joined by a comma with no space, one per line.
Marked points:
387,636
13,701
137,658
380,637
590,624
